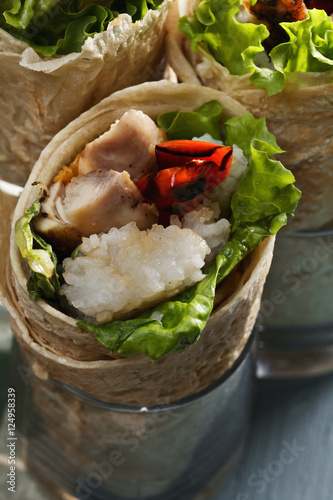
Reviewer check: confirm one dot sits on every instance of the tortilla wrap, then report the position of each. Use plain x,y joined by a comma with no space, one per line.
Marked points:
300,117
39,96
60,349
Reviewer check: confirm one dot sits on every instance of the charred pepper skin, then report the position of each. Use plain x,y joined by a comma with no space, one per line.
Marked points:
188,170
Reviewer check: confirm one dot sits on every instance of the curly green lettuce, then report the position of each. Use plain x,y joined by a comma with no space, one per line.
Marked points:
44,279
214,27
265,196
62,26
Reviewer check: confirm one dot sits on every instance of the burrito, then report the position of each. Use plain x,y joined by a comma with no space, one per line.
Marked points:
276,59
142,240
60,57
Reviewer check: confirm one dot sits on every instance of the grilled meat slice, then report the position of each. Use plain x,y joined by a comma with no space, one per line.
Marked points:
129,145
89,204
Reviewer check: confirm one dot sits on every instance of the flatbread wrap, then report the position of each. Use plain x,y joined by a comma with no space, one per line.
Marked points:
214,224
276,59
60,57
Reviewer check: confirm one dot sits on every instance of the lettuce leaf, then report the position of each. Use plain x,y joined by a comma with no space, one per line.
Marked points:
272,190
310,48
62,26
44,280
189,124
264,198
214,27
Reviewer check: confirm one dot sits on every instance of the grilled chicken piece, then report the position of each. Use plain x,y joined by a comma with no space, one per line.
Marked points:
51,225
90,204
272,13
129,145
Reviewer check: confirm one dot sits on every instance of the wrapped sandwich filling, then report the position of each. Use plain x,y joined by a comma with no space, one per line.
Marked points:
61,26
266,42
132,237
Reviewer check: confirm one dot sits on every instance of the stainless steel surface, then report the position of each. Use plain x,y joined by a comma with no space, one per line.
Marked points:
67,443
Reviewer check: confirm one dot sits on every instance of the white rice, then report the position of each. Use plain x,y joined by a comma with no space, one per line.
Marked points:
208,138
204,220
128,269
222,193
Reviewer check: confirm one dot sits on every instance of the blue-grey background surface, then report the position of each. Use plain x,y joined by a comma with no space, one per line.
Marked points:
288,454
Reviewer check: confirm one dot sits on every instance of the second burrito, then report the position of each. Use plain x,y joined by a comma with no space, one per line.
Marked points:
60,57
276,59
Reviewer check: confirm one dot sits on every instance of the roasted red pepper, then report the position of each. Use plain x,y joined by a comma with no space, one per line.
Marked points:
188,171
179,153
